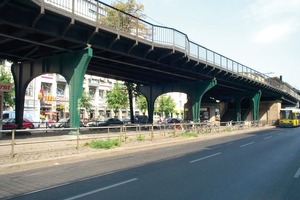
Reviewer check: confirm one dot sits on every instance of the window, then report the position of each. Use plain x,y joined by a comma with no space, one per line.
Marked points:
92,92
101,94
29,90
60,89
5,116
46,87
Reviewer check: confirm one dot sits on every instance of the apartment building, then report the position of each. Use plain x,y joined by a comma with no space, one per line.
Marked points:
49,94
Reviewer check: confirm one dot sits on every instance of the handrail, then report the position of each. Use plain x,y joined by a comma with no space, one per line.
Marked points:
95,13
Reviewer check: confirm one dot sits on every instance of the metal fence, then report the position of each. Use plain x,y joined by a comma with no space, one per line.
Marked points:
103,16
77,137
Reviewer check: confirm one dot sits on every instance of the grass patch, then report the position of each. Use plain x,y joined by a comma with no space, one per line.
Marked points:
140,137
227,129
104,144
188,134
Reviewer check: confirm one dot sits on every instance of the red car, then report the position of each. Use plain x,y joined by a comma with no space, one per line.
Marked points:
11,124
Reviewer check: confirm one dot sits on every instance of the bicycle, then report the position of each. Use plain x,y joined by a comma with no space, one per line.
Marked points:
215,127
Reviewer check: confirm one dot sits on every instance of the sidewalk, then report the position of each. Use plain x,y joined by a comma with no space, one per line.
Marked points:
31,156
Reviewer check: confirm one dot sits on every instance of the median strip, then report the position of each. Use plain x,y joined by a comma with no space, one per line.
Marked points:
205,157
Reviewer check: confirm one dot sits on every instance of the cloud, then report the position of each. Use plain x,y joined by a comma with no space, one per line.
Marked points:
273,20
273,33
262,10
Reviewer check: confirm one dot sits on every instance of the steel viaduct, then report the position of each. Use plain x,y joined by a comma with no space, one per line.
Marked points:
73,38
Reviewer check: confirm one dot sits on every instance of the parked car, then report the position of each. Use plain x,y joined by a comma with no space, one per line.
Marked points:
30,115
126,121
168,122
11,124
111,122
93,123
62,123
141,119
171,120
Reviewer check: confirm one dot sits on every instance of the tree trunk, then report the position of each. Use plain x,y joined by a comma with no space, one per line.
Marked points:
130,96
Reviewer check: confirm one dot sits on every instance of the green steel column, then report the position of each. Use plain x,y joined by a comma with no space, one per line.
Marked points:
79,60
150,109
71,65
197,90
238,109
151,92
256,100
196,102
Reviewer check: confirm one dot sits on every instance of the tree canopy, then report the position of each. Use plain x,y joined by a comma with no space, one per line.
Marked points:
124,22
84,101
117,98
141,102
165,104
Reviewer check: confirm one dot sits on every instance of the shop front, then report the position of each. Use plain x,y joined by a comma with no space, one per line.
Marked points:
62,107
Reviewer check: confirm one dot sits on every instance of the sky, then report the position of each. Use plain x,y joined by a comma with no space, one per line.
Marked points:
261,34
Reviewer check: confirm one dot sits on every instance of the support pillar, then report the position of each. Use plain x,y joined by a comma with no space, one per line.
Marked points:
79,61
151,92
71,65
194,89
196,92
238,109
256,100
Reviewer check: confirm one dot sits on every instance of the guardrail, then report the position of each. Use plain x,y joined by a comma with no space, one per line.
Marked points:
78,136
104,16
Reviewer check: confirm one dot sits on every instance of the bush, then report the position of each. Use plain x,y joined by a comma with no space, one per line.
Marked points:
188,134
104,144
140,137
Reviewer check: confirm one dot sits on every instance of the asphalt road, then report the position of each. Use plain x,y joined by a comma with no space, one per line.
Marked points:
262,165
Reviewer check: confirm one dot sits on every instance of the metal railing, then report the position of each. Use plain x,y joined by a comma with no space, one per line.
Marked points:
126,133
98,14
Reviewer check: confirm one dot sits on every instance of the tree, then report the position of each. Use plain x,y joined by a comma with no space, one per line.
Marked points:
126,19
165,104
131,88
6,77
117,98
142,103
84,102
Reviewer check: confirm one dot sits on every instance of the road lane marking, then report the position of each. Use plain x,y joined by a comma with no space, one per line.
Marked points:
297,173
266,138
101,189
192,161
244,145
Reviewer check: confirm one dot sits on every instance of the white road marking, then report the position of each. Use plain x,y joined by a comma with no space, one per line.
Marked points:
247,144
266,138
101,189
205,157
297,173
